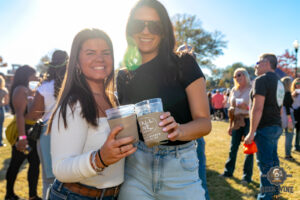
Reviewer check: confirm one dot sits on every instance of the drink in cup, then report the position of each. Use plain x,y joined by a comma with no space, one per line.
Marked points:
125,116
239,101
148,115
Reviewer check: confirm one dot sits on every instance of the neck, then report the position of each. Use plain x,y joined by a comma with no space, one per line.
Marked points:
146,57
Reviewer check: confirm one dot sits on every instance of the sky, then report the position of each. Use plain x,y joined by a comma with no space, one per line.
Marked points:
30,29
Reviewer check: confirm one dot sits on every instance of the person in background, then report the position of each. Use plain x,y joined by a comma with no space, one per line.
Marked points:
4,99
19,93
43,106
211,108
87,160
168,171
239,125
217,103
183,49
226,103
287,117
265,121
295,90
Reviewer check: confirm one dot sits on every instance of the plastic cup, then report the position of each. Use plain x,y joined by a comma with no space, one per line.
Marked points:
33,85
125,116
148,115
239,101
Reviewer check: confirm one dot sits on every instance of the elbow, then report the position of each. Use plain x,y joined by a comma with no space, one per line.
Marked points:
208,127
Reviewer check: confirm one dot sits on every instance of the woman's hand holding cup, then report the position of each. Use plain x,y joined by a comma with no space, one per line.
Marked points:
114,149
170,126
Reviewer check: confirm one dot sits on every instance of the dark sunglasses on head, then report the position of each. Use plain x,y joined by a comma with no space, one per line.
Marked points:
238,75
298,83
137,26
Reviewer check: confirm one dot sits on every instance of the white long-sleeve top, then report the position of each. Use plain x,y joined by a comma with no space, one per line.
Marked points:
71,148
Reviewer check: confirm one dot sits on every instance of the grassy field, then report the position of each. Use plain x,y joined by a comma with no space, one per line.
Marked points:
217,148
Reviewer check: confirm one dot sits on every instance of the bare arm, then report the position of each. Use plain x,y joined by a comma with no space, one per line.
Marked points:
19,101
255,116
37,108
201,124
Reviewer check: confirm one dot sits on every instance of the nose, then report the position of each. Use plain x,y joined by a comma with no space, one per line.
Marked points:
146,29
100,58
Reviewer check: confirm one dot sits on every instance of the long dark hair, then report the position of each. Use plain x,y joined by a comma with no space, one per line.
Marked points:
167,44
57,69
21,78
75,87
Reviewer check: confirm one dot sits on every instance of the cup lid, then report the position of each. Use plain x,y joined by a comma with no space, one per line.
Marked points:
120,111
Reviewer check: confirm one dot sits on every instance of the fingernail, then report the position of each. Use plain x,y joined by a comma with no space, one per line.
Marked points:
161,117
164,129
160,123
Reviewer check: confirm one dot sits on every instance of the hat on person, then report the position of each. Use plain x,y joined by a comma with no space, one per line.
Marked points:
59,58
186,49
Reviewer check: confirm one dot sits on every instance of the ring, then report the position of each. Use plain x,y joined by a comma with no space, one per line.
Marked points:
121,152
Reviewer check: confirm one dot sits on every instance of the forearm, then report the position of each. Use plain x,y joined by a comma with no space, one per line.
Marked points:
254,120
195,129
20,123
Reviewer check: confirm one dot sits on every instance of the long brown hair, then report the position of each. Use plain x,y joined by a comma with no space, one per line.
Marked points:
75,87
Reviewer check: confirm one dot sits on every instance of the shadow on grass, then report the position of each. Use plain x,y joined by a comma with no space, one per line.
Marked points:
219,188
5,167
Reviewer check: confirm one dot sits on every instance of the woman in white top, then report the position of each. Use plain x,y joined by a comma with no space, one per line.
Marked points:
239,126
87,160
43,106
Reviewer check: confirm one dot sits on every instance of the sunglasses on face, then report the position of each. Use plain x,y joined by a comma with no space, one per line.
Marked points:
137,26
238,75
257,63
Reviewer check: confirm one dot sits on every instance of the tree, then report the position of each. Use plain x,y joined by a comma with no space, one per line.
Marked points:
287,63
206,45
42,67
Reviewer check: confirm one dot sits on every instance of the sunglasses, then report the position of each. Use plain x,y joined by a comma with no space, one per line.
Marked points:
257,63
137,26
238,75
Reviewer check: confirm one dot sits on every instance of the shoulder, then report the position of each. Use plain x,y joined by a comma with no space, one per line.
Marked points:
20,90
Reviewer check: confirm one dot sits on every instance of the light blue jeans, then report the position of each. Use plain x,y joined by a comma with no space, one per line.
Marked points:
266,140
2,111
43,148
162,172
288,142
202,165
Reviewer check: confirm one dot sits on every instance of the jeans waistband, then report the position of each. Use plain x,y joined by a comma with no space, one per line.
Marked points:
164,150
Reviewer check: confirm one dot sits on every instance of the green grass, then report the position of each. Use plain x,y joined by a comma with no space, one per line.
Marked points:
217,148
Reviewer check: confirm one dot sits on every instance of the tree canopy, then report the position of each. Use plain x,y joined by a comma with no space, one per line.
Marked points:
207,45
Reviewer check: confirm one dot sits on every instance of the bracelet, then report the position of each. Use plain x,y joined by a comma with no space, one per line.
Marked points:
22,137
94,165
101,159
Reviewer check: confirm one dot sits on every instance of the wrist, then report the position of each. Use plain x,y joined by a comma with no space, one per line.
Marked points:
22,137
101,159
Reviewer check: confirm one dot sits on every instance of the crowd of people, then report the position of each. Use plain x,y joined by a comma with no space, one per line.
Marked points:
79,153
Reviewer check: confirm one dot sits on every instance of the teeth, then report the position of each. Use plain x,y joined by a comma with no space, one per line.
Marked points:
98,67
146,40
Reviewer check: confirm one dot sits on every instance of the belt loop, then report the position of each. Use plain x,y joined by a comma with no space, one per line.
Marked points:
177,152
103,193
60,185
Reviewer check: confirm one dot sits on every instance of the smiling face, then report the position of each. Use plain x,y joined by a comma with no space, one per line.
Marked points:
240,78
147,42
95,60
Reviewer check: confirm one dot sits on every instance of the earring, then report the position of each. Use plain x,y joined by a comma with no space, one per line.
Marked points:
78,69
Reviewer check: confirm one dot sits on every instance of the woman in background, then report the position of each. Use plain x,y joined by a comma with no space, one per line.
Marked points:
43,106
239,125
24,147
3,101
287,117
295,90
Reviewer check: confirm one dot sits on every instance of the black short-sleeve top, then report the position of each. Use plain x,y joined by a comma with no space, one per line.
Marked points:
154,80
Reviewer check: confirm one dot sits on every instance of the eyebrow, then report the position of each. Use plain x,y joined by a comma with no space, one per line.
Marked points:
92,50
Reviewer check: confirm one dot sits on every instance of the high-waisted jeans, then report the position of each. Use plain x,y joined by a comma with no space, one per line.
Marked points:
162,172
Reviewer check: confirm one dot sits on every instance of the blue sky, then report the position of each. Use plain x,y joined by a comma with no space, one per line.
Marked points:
33,28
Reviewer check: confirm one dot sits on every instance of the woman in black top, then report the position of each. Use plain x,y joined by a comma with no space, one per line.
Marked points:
166,171
287,117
